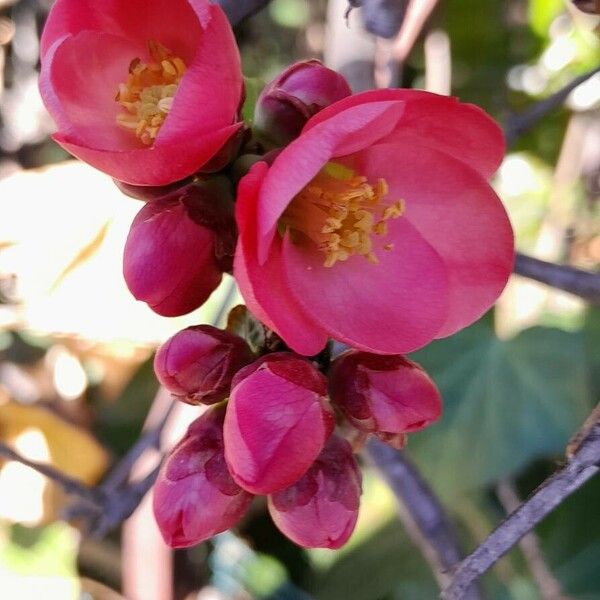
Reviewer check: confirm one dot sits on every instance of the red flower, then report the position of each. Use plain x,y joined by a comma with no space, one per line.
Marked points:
146,91
194,494
384,395
376,227
321,508
277,422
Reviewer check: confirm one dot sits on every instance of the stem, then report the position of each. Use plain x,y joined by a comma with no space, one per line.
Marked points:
421,512
578,282
581,467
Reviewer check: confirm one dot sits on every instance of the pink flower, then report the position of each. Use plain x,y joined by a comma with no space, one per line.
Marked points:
295,95
146,91
198,363
376,227
384,395
321,508
277,422
194,495
169,260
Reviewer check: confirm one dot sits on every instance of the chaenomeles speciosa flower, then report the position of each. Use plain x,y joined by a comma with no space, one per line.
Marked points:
388,396
198,363
376,226
147,92
293,97
179,246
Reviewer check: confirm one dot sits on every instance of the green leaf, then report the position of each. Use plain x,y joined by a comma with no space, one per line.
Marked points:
386,565
542,13
253,87
506,403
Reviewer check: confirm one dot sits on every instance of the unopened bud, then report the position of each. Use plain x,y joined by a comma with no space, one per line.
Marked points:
178,247
194,494
384,395
293,97
277,422
197,364
321,508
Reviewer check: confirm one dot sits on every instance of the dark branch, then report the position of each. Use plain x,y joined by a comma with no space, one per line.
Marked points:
516,125
67,483
578,282
238,10
383,17
581,466
423,514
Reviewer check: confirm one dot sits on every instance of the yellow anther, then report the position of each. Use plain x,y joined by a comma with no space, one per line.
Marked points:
339,211
147,95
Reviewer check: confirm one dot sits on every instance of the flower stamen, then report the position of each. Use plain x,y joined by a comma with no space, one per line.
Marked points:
341,212
147,95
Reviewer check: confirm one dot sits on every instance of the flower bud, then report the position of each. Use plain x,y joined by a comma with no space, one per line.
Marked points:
321,508
385,395
277,422
198,363
178,247
194,494
293,97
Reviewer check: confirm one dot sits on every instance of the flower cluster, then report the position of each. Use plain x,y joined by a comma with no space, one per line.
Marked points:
361,218
275,435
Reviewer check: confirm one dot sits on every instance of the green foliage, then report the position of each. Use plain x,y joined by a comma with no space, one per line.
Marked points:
506,403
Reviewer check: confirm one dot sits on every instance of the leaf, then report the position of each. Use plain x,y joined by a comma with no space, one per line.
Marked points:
542,13
386,565
240,321
83,255
120,424
506,403
72,450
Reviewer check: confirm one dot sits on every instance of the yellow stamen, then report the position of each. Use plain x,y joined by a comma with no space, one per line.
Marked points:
340,212
147,95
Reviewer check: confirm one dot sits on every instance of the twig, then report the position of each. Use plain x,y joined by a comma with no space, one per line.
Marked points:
68,484
516,125
383,17
422,513
238,10
581,283
582,466
549,587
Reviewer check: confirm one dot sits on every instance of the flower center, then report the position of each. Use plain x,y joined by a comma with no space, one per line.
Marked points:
147,95
342,213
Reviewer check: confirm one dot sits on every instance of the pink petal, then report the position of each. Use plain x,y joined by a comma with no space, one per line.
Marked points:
177,24
392,307
274,427
157,165
80,76
209,95
297,164
460,215
272,304
464,131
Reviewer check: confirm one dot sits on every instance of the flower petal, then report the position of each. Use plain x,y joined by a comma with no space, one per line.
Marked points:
297,164
459,214
78,82
157,165
273,305
210,93
464,131
177,24
392,307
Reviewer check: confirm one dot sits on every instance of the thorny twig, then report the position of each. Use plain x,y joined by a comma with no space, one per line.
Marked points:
581,466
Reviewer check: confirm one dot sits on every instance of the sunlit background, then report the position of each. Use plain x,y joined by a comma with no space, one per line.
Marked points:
76,381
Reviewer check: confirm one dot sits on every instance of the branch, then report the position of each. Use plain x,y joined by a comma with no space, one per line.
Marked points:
238,10
67,483
516,125
581,466
422,513
578,282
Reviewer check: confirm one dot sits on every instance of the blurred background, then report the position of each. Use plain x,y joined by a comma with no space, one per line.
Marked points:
76,381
